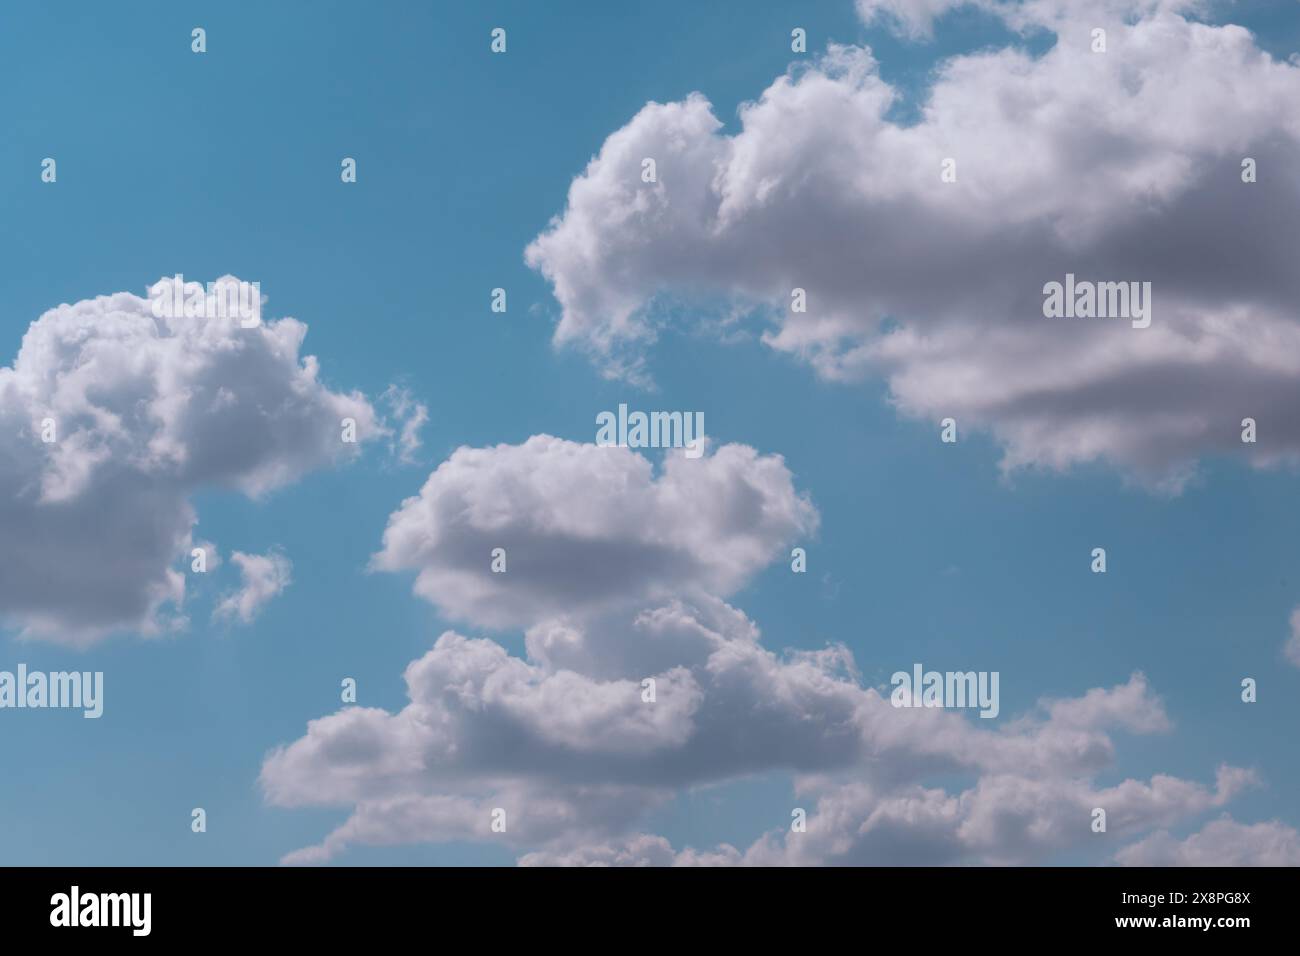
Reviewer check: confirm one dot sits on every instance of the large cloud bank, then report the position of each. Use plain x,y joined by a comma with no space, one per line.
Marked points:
1117,166
564,740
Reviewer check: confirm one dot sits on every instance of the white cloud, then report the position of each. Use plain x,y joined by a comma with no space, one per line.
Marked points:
563,740
409,417
1004,819
588,528
915,19
911,18
1130,706
485,729
1222,842
146,411
640,849
1121,166
262,578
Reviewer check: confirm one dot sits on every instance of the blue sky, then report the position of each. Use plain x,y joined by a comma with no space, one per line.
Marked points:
228,163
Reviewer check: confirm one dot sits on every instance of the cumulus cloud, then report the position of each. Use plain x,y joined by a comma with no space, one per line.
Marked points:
1117,166
262,578
635,684
1222,842
587,528
484,729
112,419
1130,706
1005,819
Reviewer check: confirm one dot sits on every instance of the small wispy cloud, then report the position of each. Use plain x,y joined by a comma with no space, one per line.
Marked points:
410,416
262,578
